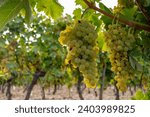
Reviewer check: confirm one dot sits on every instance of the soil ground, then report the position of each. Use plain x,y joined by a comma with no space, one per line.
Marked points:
64,93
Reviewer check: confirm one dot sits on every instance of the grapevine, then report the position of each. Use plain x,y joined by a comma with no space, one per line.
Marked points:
119,41
80,40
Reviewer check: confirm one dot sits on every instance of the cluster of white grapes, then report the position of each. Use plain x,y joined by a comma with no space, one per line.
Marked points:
119,41
80,40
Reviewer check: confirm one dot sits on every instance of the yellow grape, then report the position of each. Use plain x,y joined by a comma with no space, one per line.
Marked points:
119,41
80,40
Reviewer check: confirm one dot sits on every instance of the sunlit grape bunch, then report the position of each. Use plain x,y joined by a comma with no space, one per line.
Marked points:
80,40
119,41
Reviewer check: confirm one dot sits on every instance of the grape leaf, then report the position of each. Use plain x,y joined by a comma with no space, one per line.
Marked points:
28,10
11,65
100,40
103,7
77,13
81,3
139,95
140,17
50,7
8,10
128,13
96,21
147,3
135,64
104,18
88,14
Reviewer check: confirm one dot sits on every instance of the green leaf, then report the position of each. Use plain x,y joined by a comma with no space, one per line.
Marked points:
128,13
11,65
100,40
50,7
132,63
77,13
8,10
104,18
147,3
2,43
135,64
88,14
139,95
81,3
95,20
28,10
140,17
104,8
107,21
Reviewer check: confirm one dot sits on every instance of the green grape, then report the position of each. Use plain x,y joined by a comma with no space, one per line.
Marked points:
80,40
119,41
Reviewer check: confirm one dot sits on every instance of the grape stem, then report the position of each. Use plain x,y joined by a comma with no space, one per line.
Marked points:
126,22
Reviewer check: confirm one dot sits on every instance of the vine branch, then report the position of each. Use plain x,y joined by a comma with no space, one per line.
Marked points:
144,11
126,22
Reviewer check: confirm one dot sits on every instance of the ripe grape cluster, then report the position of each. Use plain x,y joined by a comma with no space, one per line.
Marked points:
80,40
119,41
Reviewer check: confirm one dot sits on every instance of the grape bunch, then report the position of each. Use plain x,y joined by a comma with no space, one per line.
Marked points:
119,41
80,39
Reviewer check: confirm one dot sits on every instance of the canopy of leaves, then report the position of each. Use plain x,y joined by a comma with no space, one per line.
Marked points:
25,49
11,8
